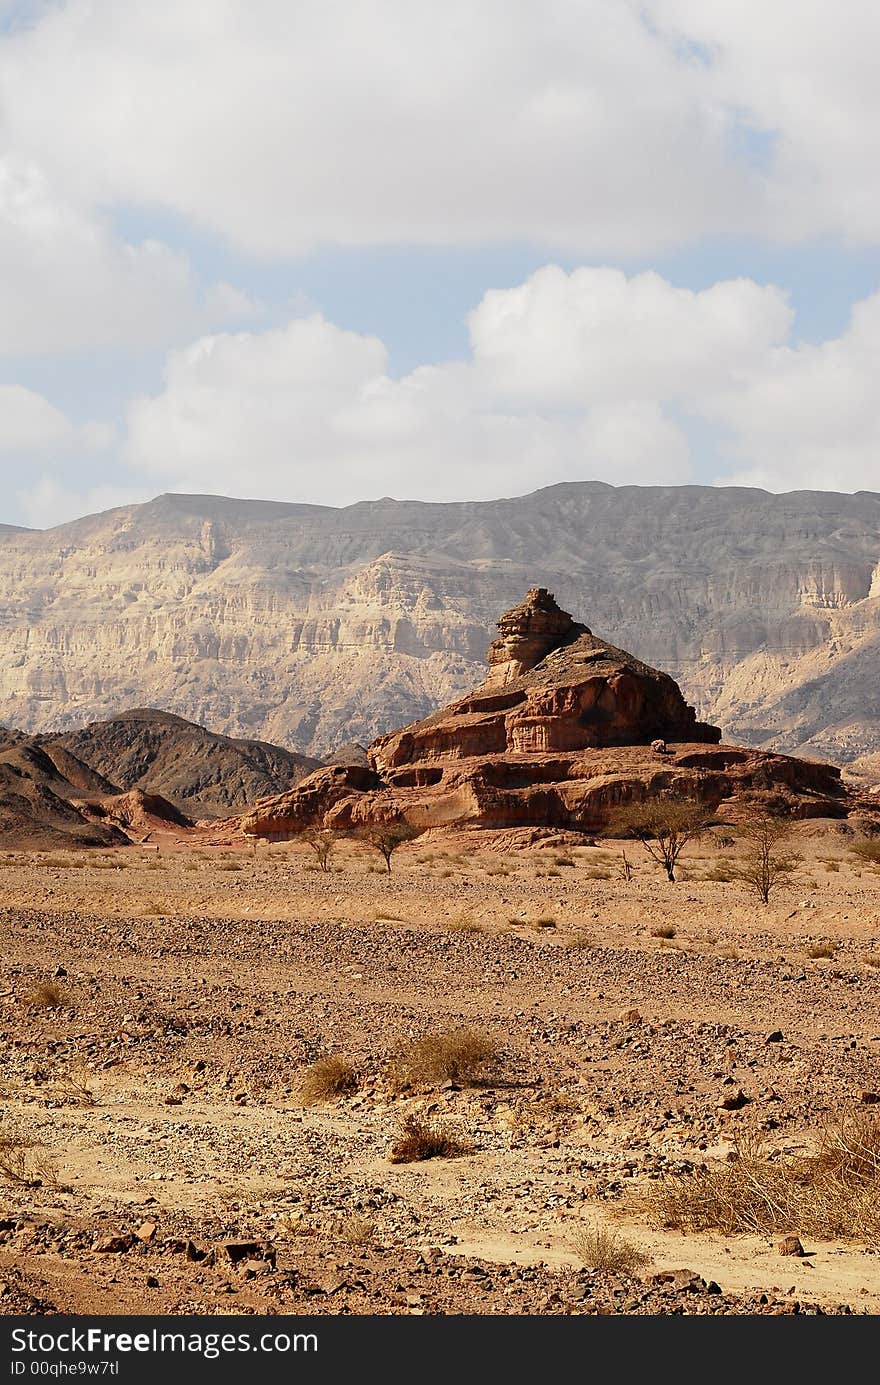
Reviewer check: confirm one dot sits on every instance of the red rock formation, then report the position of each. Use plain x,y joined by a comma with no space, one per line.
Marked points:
552,686
559,734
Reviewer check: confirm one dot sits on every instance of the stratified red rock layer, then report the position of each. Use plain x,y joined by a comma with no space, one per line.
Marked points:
565,728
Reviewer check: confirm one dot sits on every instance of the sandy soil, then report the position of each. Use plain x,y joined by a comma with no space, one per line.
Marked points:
200,982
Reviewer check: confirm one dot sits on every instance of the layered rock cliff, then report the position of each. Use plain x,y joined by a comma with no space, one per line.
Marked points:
310,627
563,731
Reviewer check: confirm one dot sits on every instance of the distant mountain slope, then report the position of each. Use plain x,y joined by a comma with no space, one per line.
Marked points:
35,800
163,754
313,627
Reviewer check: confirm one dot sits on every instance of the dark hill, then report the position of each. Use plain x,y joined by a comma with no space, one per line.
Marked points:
158,752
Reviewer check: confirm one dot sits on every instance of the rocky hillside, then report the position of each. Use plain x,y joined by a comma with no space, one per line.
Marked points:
204,773
311,626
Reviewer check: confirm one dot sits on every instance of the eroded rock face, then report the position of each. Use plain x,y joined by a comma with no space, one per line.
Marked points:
552,686
565,728
526,633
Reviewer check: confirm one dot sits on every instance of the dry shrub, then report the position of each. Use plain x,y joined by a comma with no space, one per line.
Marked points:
421,1138
323,841
832,866
663,930
48,995
603,1250
465,923
832,1193
581,940
545,921
357,1231
598,873
820,950
729,954
326,1079
23,1164
867,849
872,959
721,873
229,865
74,1089
463,1056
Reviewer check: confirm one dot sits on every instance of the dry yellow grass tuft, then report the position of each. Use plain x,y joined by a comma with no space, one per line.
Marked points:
357,1230
421,1138
48,995
663,930
605,1251
820,950
832,1193
462,1056
327,1079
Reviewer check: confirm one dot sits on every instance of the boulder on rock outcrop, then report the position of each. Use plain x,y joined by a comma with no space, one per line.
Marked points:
565,729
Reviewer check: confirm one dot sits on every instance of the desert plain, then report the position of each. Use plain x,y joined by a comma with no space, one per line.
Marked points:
167,1149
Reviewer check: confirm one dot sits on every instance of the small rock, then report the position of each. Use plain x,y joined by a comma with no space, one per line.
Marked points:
870,1098
631,1017
791,1245
735,1102
239,1250
775,1037
112,1245
146,1232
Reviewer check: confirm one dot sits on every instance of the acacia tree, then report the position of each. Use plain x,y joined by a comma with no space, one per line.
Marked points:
386,837
322,840
664,826
765,862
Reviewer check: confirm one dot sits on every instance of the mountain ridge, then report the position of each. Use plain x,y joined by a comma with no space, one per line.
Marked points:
310,626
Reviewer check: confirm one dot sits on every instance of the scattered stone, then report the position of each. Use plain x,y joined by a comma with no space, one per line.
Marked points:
112,1245
791,1245
236,1251
735,1102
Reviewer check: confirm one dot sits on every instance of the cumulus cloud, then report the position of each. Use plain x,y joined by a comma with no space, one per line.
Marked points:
587,374
68,283
601,126
570,375
807,417
596,334
802,74
30,426
285,126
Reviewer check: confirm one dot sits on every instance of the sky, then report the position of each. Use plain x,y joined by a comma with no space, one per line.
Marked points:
331,250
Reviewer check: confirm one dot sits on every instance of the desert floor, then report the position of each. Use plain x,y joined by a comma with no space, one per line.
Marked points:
198,983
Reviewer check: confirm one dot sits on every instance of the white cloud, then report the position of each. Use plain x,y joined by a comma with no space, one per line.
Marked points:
32,427
29,423
601,126
568,338
67,283
288,125
803,76
571,375
808,417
